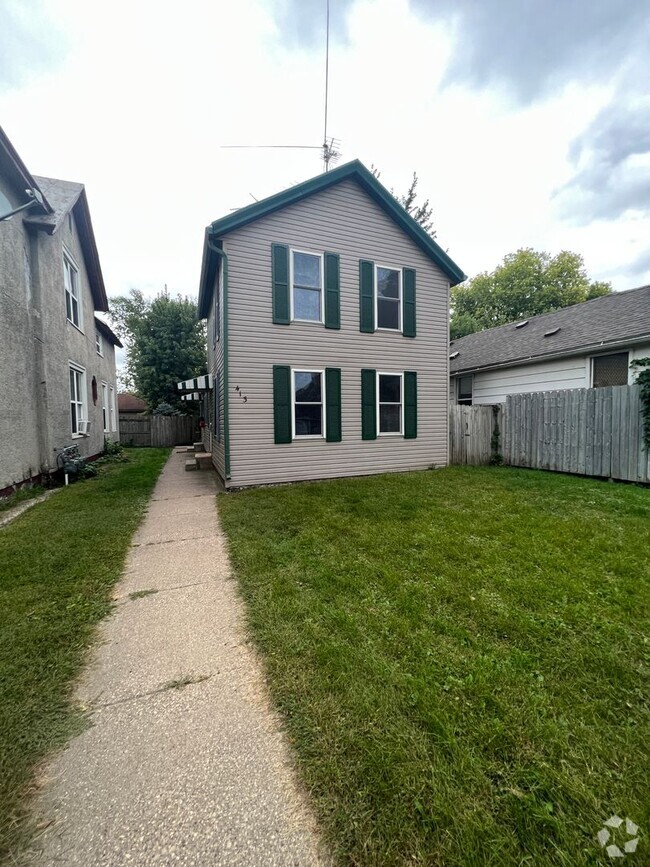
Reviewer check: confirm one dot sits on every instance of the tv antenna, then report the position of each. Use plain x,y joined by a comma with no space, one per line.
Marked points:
330,148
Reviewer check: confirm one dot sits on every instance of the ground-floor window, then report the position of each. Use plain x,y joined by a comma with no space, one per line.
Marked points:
464,385
105,410
113,414
307,396
389,400
78,413
610,369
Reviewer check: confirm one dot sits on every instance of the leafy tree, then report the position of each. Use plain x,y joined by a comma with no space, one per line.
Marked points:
164,342
421,213
525,284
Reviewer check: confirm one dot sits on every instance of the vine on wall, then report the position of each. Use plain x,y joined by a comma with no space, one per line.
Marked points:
643,379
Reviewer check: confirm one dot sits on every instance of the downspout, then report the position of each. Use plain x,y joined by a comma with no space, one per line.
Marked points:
224,305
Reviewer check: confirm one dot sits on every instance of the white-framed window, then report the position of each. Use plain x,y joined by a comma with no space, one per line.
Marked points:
612,369
390,404
308,406
78,399
388,298
113,415
306,278
99,344
105,410
73,307
464,388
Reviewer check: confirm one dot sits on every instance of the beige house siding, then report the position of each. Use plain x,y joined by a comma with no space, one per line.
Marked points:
345,220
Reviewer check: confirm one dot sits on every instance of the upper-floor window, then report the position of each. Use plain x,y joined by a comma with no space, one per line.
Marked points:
306,286
72,293
610,369
99,343
464,389
388,298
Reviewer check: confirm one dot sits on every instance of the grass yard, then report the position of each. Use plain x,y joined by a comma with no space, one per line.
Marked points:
461,658
58,564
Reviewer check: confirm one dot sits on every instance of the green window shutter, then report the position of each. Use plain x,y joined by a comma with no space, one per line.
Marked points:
280,269
366,296
333,404
408,278
282,403
368,404
332,291
410,405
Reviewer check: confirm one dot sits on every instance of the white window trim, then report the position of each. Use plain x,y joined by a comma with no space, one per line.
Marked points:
73,262
592,359
113,414
72,365
321,257
294,371
399,330
106,418
99,343
401,404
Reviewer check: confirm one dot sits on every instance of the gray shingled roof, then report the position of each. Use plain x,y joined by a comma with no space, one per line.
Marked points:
608,320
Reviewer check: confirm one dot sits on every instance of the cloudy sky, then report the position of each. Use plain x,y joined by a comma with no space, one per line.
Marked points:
528,123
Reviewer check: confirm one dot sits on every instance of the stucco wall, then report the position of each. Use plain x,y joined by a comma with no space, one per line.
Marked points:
36,345
19,418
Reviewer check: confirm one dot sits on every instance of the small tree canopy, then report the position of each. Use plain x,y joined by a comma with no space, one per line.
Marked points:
164,341
421,213
525,284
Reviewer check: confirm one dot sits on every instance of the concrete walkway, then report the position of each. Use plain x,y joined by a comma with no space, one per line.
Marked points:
194,774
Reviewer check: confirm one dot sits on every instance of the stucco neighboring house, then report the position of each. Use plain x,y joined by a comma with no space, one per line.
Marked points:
327,308
57,357
584,346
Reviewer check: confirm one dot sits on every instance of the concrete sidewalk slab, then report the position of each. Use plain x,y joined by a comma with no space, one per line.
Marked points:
198,774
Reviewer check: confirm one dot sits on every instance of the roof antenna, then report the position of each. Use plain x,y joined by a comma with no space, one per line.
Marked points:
330,147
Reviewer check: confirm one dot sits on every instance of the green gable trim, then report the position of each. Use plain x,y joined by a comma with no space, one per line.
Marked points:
354,170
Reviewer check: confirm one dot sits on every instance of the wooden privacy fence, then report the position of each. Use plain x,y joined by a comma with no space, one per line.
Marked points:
157,430
588,431
471,432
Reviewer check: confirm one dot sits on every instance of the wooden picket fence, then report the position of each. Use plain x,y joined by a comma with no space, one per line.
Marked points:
587,431
157,430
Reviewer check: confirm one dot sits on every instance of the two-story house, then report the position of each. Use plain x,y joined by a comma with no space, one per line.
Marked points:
327,309
57,358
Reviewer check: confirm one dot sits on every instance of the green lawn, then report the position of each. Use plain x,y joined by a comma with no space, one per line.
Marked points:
461,657
58,564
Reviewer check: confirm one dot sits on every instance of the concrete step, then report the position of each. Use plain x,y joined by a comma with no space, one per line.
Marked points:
191,465
203,459
199,447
